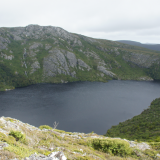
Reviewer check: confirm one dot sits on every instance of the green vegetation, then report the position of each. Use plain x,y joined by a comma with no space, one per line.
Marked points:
40,142
154,71
78,146
144,127
112,146
17,135
45,127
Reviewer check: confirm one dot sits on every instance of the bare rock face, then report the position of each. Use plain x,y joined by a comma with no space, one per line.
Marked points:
106,72
10,57
73,74
55,64
4,43
35,46
31,53
40,32
92,54
140,60
16,38
72,59
35,66
60,62
83,64
3,46
141,146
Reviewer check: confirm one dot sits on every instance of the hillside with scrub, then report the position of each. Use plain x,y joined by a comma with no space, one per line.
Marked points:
21,141
46,54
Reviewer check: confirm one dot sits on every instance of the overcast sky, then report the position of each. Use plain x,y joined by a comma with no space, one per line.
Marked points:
137,20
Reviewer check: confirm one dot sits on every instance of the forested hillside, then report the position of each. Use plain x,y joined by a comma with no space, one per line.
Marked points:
144,127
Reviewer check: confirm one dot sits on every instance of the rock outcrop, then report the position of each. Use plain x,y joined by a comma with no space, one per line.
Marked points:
141,60
60,62
103,70
56,144
10,57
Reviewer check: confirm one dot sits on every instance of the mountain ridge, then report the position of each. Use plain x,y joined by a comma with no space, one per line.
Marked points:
46,54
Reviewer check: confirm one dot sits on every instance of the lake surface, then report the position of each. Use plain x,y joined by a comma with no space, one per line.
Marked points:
79,106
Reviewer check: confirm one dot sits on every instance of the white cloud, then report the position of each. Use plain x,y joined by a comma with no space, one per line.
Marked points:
108,19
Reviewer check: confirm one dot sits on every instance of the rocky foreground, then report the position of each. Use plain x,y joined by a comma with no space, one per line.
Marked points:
20,140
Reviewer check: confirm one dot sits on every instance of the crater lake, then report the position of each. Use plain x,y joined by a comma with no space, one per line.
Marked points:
79,106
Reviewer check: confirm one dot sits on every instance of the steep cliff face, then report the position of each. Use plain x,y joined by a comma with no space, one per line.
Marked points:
36,53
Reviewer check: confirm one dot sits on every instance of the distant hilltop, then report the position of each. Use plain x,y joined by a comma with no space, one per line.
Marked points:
155,47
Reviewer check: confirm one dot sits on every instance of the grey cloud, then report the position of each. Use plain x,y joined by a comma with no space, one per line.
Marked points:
107,19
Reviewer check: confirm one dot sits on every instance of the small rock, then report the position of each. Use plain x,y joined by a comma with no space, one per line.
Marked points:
57,156
158,155
51,149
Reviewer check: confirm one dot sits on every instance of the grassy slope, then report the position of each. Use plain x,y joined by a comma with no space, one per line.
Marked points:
144,127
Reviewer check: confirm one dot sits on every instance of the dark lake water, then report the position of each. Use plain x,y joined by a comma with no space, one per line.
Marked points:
79,106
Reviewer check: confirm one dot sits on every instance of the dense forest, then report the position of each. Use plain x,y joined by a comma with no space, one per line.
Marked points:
144,127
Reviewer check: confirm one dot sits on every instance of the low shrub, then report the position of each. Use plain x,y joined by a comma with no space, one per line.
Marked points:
157,139
7,155
155,145
8,139
20,151
45,127
112,146
151,153
82,142
17,135
83,158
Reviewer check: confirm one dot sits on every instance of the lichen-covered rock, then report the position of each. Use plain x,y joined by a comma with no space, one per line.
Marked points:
3,46
83,64
47,47
35,66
